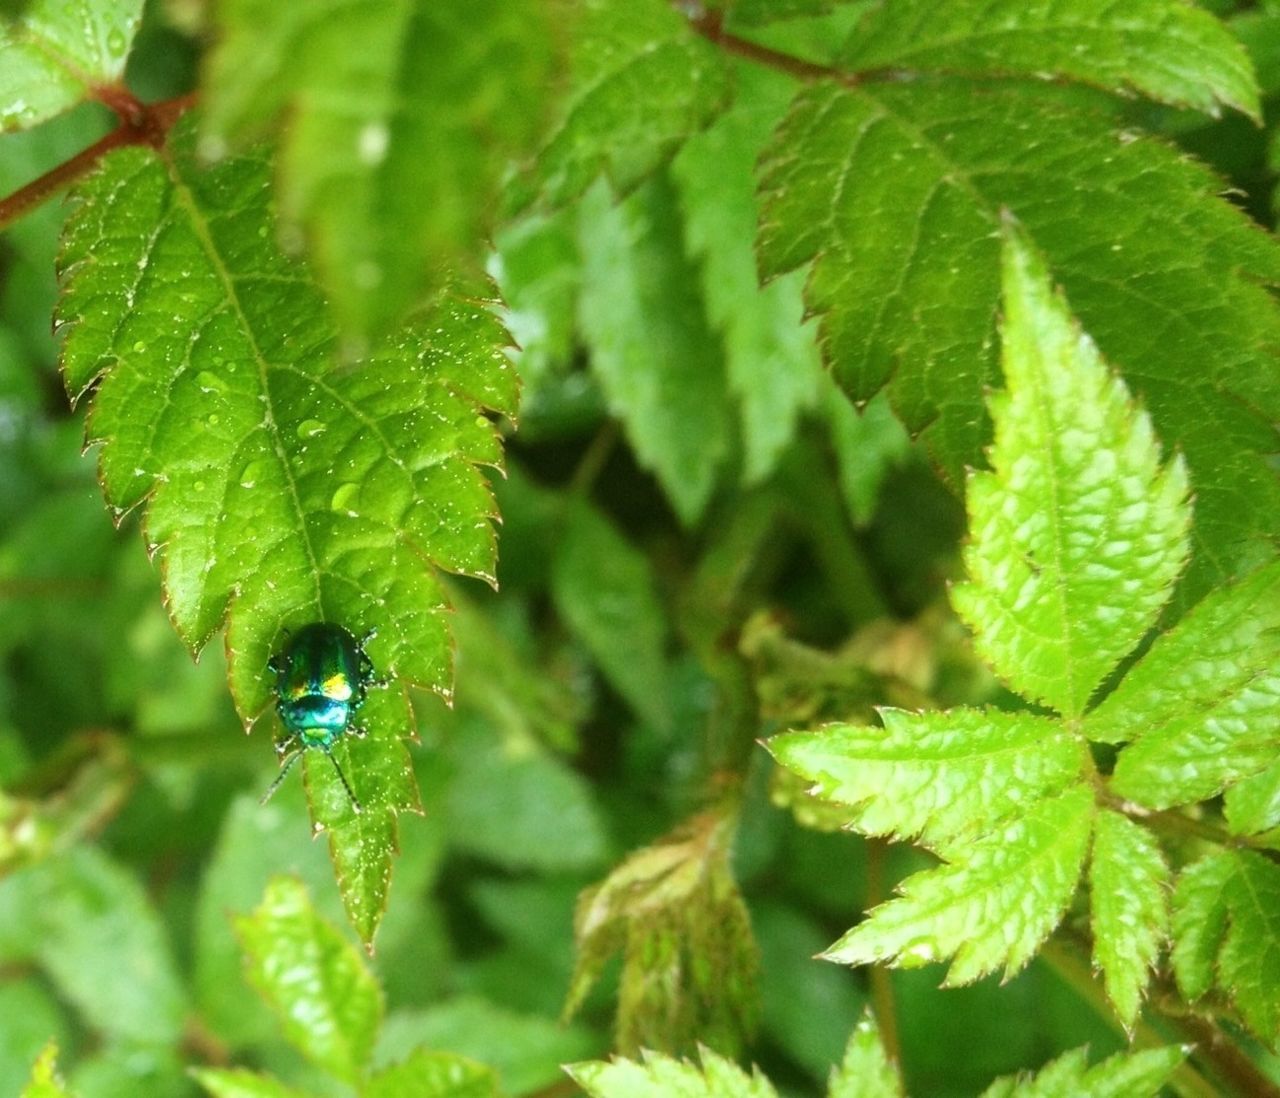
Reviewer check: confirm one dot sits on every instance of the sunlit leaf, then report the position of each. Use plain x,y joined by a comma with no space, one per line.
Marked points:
327,1001
1125,1075
1079,532
656,1076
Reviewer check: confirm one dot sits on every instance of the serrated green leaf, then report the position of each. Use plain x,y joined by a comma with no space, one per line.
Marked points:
281,487
605,590
1078,534
936,775
1226,925
255,843
1163,49
433,1075
1135,233
659,1076
1124,1075
1129,880
991,904
328,1002
1199,921
772,363
57,53
391,152
625,53
866,1070
1201,706
239,1083
45,1081
1252,806
659,364
690,962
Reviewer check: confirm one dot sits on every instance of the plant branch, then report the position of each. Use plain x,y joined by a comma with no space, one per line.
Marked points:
1066,955
711,26
881,981
140,124
1227,1061
1171,821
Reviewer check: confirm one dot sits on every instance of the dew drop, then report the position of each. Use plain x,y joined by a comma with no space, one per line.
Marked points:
250,473
198,486
372,143
211,419
345,498
210,383
309,428
116,43
140,346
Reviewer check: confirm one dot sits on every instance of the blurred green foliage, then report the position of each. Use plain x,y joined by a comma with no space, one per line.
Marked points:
702,543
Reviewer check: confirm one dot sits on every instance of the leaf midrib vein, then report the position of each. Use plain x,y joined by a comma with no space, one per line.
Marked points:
201,229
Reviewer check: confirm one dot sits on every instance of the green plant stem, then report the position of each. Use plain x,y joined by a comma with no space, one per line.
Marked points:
881,980
140,124
1174,822
1229,1063
713,608
594,459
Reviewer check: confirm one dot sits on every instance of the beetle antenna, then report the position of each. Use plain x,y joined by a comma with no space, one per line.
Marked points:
284,769
355,803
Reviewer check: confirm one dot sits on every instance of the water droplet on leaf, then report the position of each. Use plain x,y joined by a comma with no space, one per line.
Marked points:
345,498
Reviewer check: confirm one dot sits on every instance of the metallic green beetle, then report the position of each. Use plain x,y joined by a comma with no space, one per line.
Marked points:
323,676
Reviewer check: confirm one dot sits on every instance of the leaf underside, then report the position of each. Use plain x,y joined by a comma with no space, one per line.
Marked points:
282,485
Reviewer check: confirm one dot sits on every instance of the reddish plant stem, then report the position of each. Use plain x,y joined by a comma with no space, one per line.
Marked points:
140,124
711,26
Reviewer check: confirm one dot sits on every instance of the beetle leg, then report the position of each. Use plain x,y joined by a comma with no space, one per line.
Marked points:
284,769
355,803
359,731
